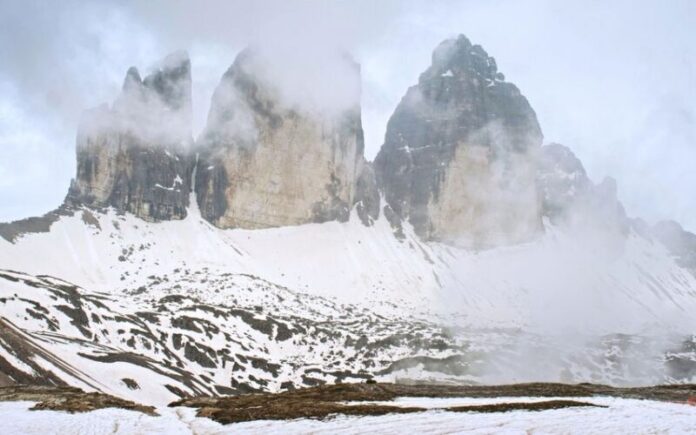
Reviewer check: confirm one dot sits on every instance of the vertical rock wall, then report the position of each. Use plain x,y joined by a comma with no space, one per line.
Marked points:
460,153
268,163
135,155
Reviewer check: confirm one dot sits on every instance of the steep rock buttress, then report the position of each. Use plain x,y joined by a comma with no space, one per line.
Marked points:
459,157
134,155
266,162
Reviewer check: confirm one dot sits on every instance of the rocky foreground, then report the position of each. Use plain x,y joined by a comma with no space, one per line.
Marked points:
330,400
68,399
363,408
364,399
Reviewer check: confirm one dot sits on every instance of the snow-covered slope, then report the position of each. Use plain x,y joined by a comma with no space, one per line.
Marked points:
151,311
621,283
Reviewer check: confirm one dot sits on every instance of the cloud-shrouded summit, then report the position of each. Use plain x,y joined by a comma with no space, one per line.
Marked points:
460,153
135,155
284,151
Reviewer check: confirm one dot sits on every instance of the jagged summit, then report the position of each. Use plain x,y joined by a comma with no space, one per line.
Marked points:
457,57
459,157
166,89
132,82
134,156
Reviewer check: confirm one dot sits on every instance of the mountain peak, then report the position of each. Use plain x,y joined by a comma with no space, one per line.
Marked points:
458,57
459,153
171,81
284,143
133,155
175,61
132,80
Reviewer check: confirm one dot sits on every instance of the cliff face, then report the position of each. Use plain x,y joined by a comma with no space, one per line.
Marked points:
133,156
460,153
461,161
267,163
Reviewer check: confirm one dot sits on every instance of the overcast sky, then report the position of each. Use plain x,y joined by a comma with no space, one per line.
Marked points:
613,80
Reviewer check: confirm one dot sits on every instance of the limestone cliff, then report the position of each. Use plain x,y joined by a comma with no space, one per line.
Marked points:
459,158
133,156
266,162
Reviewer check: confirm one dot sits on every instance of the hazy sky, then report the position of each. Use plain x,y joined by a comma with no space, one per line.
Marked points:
613,80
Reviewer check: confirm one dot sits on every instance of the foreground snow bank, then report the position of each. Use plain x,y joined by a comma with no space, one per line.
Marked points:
621,416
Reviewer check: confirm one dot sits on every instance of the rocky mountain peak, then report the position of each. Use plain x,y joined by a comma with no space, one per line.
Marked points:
459,157
134,155
171,82
156,108
269,157
458,57
132,82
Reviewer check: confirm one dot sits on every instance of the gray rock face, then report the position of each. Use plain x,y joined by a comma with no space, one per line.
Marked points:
11,231
367,200
679,242
266,162
568,196
459,158
561,178
134,156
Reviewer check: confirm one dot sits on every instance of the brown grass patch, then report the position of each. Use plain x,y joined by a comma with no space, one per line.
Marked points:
69,399
523,406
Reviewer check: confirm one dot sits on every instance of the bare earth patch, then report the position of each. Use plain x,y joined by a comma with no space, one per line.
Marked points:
522,406
324,401
68,399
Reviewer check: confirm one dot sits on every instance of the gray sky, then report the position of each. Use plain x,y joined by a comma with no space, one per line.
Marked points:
613,80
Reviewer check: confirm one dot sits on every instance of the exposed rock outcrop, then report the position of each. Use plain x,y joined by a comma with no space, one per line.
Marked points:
459,158
367,199
11,231
679,242
568,196
267,161
69,399
133,156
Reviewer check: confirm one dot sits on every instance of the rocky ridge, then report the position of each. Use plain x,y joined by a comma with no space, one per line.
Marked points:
461,162
458,160
569,197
